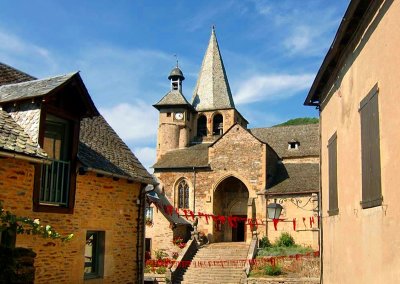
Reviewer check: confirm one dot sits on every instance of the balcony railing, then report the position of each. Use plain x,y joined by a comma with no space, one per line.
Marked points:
54,181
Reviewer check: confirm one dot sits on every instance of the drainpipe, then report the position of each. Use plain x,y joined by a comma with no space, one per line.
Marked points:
140,240
321,239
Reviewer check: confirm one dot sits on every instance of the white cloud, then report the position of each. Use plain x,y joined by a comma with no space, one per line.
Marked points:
300,40
18,52
133,122
262,7
147,156
271,87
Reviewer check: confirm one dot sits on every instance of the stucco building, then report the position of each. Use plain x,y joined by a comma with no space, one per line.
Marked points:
62,163
210,163
356,89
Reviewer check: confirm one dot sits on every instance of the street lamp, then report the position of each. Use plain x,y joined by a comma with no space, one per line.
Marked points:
274,210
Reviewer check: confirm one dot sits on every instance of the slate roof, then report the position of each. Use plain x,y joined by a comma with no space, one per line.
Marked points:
295,178
212,90
173,98
32,89
101,148
14,139
279,137
193,156
10,75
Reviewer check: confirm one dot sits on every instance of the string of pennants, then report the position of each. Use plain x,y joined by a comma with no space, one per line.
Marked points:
231,220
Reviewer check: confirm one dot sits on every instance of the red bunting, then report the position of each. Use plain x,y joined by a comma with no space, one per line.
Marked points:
312,221
186,213
191,214
276,221
219,220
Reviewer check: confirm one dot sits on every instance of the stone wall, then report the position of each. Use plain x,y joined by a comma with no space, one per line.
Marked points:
101,203
368,236
237,154
306,234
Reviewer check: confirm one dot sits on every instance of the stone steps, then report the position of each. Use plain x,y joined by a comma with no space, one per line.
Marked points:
204,270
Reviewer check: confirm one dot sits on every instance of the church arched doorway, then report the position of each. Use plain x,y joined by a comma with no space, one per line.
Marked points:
230,200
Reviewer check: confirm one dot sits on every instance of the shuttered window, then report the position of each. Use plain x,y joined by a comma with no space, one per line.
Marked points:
370,150
333,190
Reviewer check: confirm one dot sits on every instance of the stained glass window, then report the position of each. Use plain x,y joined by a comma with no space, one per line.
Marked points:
183,194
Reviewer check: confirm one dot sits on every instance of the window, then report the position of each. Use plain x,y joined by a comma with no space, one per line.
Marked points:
183,194
55,178
218,124
370,150
332,170
294,145
94,254
202,126
147,246
168,114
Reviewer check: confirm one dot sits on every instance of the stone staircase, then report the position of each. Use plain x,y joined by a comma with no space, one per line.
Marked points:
216,263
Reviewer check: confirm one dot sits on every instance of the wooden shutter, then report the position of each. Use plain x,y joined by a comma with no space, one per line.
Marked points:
370,150
333,190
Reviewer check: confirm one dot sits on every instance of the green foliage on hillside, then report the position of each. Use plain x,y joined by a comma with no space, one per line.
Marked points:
300,121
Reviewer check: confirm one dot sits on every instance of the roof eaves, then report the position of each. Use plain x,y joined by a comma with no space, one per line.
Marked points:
59,86
345,33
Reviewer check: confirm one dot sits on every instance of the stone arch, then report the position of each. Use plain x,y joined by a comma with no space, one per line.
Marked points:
236,207
229,192
217,124
239,177
201,125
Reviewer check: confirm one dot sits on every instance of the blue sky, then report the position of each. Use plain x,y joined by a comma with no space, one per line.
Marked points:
125,51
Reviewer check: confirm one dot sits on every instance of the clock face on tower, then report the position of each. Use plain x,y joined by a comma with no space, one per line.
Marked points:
178,116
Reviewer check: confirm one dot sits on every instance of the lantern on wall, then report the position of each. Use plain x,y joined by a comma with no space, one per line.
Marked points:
274,210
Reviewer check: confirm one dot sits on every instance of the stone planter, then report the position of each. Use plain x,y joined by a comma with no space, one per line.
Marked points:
17,265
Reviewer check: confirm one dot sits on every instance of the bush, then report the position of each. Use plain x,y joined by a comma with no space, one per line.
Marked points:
285,240
273,270
160,254
161,270
265,243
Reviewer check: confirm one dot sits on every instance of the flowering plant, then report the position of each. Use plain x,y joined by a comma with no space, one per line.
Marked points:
10,225
178,241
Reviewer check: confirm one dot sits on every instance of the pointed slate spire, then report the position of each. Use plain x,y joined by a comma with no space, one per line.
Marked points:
212,89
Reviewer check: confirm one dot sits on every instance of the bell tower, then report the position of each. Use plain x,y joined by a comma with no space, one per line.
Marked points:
175,118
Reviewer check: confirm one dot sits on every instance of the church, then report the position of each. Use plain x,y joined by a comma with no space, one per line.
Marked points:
211,167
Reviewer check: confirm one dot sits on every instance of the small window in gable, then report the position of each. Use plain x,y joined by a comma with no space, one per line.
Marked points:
293,145
56,180
183,194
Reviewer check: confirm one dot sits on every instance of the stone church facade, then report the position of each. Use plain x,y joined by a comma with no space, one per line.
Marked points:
209,162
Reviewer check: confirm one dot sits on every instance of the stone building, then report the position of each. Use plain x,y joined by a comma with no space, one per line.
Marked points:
61,162
357,91
209,162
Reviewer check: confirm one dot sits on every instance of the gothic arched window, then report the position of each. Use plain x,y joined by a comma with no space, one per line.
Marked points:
218,124
202,126
183,194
